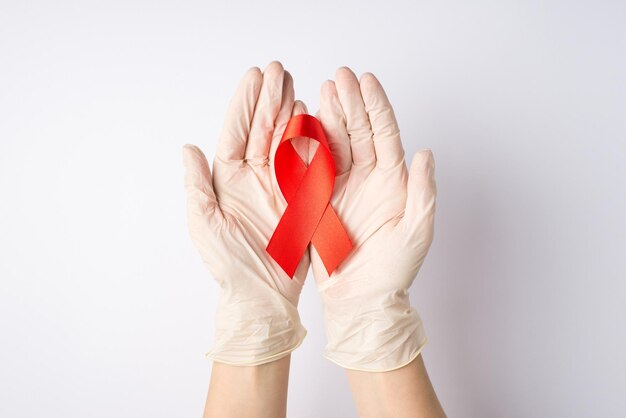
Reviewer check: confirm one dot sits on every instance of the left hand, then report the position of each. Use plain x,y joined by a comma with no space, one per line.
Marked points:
388,213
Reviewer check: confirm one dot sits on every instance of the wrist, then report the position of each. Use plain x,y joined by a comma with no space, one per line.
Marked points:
403,392
259,391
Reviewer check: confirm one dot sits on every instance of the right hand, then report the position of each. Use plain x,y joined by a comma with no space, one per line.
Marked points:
232,215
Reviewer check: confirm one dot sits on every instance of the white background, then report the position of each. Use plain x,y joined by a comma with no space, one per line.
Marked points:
106,309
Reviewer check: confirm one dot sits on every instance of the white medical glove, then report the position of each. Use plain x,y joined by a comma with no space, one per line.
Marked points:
232,215
389,216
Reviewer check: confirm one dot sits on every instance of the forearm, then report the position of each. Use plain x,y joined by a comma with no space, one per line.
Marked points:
402,393
248,391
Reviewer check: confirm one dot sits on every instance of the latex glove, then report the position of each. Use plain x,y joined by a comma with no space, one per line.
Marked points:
232,215
388,214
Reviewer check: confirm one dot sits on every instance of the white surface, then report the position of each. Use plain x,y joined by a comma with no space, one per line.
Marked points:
105,307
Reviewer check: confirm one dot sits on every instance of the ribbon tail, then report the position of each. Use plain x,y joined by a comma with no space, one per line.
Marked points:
331,240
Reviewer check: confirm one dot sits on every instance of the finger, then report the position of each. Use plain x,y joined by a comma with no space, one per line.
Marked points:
421,192
232,143
301,144
334,124
286,107
201,199
385,131
267,108
357,123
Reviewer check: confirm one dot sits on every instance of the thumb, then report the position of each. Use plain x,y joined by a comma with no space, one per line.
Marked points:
420,203
201,199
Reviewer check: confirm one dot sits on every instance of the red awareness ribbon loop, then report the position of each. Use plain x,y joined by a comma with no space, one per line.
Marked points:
309,217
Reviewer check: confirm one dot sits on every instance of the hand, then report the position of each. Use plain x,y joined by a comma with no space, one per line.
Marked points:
389,216
232,215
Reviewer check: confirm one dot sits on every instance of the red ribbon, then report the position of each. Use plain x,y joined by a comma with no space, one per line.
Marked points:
309,217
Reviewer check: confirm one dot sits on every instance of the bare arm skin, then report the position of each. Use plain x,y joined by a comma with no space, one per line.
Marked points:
402,393
248,391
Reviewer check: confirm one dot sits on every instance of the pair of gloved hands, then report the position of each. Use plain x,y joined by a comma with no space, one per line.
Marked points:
387,212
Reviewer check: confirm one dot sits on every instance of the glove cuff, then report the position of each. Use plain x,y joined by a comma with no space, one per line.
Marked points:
374,338
253,331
